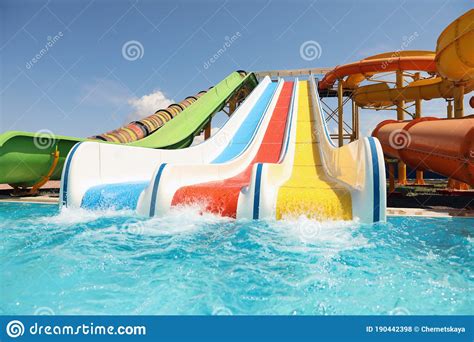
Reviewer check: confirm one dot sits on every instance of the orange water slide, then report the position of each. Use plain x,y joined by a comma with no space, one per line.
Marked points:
444,146
353,81
387,62
454,60
378,95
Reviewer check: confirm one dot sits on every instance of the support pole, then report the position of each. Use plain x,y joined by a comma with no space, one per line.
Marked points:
207,130
459,101
391,177
402,168
355,121
419,174
450,109
340,114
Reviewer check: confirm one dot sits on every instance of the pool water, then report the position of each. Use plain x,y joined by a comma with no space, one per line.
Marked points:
112,262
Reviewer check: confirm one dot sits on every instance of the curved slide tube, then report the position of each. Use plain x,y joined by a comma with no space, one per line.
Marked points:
26,157
315,178
381,94
220,184
455,49
93,164
425,62
168,178
444,146
353,80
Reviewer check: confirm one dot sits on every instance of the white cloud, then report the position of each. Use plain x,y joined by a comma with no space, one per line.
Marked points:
100,92
147,105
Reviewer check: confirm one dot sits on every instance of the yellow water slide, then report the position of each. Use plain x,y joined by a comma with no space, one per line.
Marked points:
309,190
314,177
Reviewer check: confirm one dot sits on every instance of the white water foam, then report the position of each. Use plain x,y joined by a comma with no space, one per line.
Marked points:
71,216
329,236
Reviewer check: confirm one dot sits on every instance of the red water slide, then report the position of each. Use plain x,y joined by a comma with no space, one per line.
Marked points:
444,146
221,196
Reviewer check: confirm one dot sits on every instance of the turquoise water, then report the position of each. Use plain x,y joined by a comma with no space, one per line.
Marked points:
79,262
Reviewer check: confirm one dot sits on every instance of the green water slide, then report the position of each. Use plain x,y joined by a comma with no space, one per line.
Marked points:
27,158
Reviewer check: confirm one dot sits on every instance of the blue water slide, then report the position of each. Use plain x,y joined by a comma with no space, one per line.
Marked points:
125,195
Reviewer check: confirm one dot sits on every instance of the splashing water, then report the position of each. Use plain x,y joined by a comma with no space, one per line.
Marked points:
114,262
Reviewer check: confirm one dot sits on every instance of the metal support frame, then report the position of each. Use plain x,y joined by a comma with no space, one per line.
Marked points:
355,122
402,168
34,190
331,114
340,114
419,174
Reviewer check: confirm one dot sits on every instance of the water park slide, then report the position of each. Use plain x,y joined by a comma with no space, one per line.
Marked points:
386,63
110,170
157,197
216,186
27,157
455,50
378,95
354,79
315,178
444,146
453,63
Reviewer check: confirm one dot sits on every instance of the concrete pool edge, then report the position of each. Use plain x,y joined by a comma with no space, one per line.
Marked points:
418,212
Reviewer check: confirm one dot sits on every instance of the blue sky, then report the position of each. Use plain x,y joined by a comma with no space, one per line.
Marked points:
83,85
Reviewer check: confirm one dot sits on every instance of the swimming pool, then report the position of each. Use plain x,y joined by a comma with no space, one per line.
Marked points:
80,262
